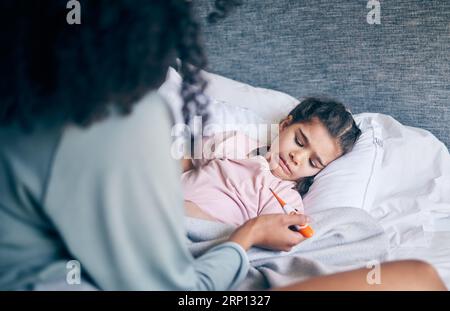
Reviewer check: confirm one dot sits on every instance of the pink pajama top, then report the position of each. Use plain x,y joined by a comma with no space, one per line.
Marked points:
232,185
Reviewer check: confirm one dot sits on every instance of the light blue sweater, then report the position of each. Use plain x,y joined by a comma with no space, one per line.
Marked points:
108,196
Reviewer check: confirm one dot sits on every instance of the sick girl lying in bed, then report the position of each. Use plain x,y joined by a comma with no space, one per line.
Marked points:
231,182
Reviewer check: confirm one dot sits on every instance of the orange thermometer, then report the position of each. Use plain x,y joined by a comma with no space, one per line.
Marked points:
305,230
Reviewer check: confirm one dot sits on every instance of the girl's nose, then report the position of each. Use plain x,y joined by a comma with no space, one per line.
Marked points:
297,158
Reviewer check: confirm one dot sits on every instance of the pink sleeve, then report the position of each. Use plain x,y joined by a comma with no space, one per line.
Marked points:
224,145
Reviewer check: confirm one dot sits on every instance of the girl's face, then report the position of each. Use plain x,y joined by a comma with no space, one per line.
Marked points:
301,150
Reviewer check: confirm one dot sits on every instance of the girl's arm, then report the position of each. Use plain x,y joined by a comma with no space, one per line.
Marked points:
192,210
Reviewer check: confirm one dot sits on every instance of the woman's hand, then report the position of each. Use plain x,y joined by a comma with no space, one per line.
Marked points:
270,231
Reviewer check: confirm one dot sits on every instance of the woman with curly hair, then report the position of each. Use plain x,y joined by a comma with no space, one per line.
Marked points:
85,166
87,182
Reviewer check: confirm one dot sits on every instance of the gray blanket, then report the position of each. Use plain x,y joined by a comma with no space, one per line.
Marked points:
345,238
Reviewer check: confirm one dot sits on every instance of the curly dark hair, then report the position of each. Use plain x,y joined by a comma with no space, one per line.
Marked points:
337,120
53,72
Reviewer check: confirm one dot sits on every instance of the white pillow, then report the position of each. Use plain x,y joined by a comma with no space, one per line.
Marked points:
349,181
223,115
229,95
270,105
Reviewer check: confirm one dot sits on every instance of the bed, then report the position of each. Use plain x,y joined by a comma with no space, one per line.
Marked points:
399,68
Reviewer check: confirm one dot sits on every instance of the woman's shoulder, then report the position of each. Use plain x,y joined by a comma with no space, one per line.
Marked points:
141,138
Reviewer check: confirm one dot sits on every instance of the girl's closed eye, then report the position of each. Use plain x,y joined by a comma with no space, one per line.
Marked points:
297,141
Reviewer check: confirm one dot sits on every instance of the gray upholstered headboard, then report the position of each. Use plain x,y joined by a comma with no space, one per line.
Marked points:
399,67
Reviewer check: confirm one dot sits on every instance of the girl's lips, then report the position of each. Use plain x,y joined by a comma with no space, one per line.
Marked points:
284,166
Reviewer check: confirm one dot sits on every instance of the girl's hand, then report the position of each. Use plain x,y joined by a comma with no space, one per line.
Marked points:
270,231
